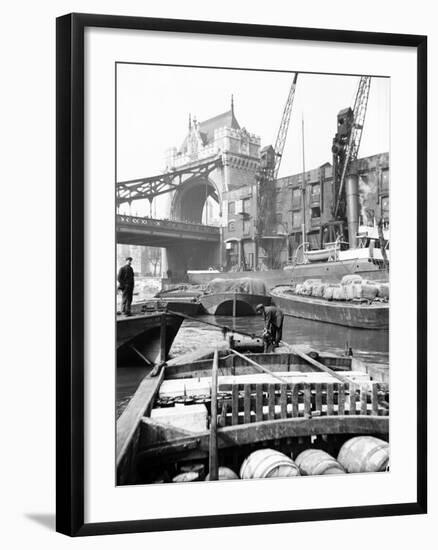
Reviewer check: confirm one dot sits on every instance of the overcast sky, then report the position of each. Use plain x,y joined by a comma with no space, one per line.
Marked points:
153,105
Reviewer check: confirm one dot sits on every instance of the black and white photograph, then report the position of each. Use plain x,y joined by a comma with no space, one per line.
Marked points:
218,275
251,286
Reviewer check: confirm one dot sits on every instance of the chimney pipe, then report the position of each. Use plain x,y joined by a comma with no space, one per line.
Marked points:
352,196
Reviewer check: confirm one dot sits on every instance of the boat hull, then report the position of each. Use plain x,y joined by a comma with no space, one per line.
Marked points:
331,272
349,314
186,307
221,303
141,334
158,305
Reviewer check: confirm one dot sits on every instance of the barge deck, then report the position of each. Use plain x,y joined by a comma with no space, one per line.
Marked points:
290,403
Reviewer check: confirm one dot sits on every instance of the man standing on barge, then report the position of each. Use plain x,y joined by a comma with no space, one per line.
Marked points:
273,332
125,279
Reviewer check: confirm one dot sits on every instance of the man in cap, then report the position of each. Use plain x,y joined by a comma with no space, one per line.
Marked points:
125,279
273,332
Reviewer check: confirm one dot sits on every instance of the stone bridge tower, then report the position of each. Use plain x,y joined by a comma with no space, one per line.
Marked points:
232,185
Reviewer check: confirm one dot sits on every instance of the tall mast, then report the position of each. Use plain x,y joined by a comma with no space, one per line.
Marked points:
303,226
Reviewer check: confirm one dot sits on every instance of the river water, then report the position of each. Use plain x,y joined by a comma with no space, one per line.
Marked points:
368,345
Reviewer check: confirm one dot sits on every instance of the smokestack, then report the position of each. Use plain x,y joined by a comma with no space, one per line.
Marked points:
352,196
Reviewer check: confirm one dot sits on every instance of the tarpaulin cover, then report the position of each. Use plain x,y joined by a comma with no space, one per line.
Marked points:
245,285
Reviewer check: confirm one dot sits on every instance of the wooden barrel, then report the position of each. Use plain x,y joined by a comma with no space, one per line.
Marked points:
315,462
364,454
268,463
194,467
224,473
185,477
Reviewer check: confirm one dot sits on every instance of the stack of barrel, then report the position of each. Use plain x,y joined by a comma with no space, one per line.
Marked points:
357,455
351,287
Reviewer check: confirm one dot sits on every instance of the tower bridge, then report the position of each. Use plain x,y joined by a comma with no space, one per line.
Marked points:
216,160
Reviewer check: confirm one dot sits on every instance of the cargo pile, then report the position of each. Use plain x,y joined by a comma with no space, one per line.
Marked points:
351,288
359,454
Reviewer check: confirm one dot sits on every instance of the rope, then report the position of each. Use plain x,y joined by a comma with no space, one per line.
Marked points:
224,328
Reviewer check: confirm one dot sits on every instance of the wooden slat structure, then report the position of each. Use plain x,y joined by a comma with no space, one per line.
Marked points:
249,403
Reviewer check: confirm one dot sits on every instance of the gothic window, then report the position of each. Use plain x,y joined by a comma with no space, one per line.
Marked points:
231,226
244,147
231,207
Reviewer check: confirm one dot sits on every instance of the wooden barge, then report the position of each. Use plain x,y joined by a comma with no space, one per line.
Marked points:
286,400
146,338
187,306
363,315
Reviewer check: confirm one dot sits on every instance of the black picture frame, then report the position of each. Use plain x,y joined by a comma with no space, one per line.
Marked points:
70,272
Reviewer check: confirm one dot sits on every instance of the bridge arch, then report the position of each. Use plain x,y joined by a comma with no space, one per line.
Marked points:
190,199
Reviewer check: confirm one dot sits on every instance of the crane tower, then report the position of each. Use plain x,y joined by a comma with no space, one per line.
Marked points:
270,160
346,144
